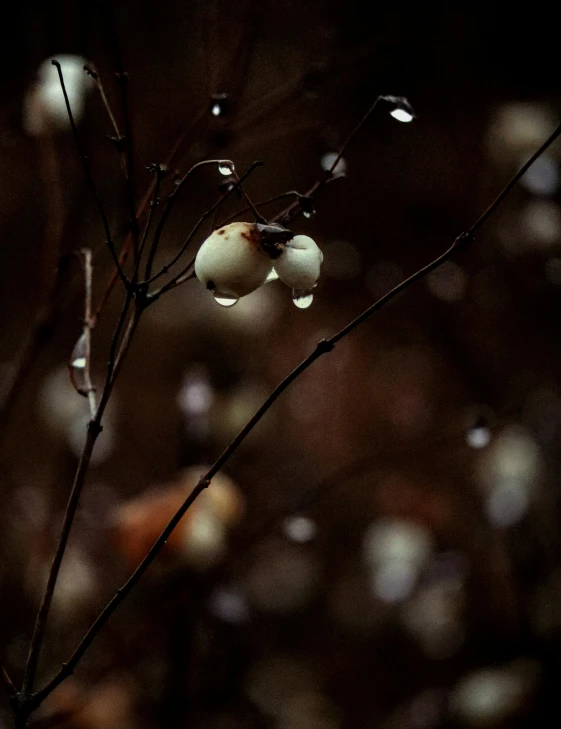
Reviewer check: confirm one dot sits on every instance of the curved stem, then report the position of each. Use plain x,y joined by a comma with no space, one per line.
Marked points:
169,205
195,230
93,431
90,180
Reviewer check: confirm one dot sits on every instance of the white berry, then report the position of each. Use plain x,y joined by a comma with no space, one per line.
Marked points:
299,264
232,261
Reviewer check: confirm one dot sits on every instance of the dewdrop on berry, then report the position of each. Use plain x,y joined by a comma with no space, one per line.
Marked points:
44,106
299,266
232,262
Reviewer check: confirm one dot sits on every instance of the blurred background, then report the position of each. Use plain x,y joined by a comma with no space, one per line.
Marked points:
383,550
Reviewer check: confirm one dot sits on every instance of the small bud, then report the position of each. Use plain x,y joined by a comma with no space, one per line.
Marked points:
299,264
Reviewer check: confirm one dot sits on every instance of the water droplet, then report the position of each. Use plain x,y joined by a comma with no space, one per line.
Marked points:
225,299
302,299
307,206
299,529
402,109
479,436
402,115
219,104
273,276
78,363
327,161
225,167
78,359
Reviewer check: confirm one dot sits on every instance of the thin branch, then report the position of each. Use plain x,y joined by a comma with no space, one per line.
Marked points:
323,347
93,431
123,257
292,211
123,81
124,144
193,232
90,180
159,173
186,275
258,217
507,189
118,138
300,197
12,691
128,145
172,199
141,208
262,203
87,389
88,275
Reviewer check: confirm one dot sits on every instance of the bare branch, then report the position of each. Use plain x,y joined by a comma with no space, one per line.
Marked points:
123,81
12,691
93,431
172,199
87,389
258,217
141,208
190,237
159,171
118,139
294,210
89,178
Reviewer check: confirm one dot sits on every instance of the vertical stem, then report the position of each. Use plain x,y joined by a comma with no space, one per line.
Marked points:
93,431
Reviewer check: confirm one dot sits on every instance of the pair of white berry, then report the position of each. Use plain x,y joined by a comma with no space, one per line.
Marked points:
239,258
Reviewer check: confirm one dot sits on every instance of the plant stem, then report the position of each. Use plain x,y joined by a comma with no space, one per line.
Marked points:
90,180
93,431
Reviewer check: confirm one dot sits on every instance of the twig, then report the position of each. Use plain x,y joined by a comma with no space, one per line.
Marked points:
260,204
323,347
186,275
292,211
159,173
172,199
90,180
300,197
87,390
124,144
128,145
123,80
118,138
258,217
190,237
140,211
12,691
93,431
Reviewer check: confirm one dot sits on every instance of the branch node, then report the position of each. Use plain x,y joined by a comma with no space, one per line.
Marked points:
95,427
117,141
90,71
324,346
463,239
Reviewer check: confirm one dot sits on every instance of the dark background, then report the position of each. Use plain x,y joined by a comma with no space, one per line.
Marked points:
275,632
